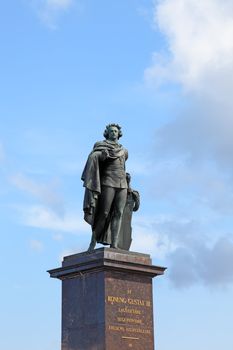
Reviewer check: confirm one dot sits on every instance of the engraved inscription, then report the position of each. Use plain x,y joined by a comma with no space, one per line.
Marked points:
130,315
126,310
128,320
128,329
133,307
130,301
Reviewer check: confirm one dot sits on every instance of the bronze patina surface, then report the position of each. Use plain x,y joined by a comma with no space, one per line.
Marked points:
109,200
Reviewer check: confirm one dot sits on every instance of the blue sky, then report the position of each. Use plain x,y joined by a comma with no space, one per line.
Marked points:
163,70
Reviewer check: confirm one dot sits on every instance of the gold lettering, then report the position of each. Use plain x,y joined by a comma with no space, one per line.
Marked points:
128,320
126,310
116,328
116,300
138,330
130,301
136,302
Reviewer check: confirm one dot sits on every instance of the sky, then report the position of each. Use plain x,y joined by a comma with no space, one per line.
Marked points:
163,70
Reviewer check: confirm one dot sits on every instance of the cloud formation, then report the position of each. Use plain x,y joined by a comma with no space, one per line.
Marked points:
191,255
194,151
199,39
147,238
46,192
200,59
199,263
42,217
50,11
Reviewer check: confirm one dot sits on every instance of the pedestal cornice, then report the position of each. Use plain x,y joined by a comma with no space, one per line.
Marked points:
105,259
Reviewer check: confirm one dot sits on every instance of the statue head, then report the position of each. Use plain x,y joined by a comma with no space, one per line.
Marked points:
112,132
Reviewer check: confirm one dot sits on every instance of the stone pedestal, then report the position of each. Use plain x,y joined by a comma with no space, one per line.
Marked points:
107,300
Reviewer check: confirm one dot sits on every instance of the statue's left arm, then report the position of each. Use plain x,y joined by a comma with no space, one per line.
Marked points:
136,198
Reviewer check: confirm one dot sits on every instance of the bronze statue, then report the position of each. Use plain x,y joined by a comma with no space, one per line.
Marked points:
107,192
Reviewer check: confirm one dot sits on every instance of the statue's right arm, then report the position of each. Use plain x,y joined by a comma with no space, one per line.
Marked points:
102,155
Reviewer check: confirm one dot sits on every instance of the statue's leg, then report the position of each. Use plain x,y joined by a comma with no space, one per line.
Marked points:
93,243
104,206
119,205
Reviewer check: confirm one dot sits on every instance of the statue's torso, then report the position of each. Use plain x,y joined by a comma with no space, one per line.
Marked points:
113,168
113,173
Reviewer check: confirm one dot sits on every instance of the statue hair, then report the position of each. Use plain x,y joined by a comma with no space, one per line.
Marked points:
109,126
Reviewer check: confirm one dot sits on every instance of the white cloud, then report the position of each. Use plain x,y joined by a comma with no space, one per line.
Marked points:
199,263
49,11
45,218
46,193
199,58
148,238
191,255
199,39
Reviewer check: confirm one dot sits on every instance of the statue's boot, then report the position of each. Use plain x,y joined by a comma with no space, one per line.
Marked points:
92,244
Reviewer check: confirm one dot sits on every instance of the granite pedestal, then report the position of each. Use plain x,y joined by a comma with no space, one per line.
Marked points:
107,300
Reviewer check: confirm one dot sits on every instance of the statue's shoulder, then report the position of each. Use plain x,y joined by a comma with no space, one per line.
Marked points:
122,148
99,144
123,151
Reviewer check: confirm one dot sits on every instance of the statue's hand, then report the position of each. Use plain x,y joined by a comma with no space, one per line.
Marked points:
136,198
93,197
105,154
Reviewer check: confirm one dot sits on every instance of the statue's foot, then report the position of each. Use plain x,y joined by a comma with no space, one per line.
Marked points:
114,246
91,248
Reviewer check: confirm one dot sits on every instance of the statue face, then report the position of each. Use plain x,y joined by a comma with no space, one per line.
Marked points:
113,133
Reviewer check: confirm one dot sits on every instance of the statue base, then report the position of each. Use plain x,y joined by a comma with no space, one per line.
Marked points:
107,300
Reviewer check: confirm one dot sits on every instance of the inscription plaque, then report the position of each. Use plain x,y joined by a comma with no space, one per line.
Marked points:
129,312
